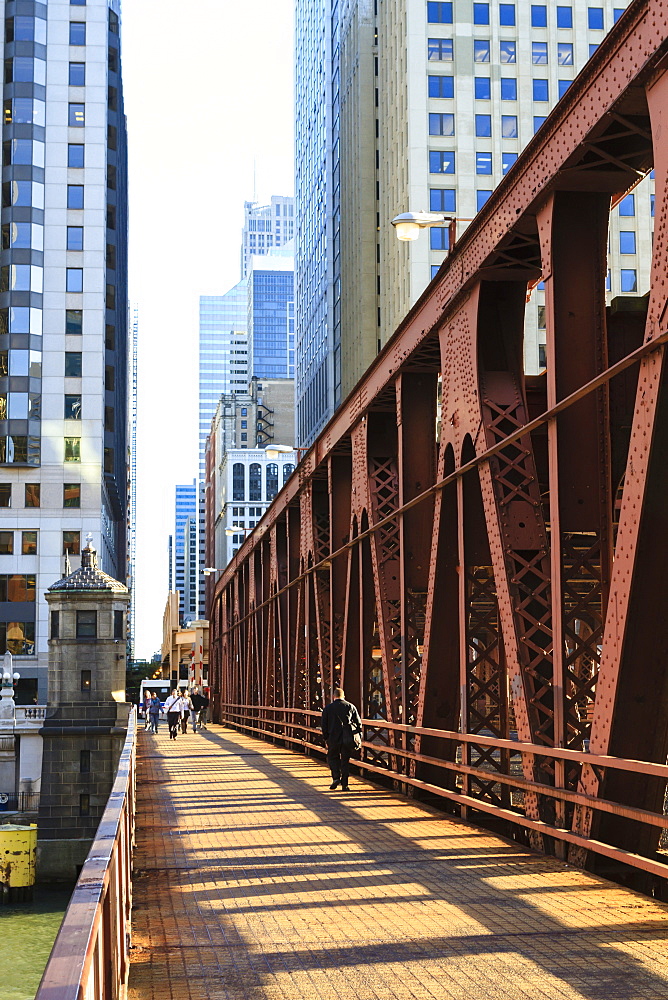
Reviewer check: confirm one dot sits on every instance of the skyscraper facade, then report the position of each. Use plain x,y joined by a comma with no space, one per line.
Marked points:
266,227
271,317
185,515
223,354
423,106
63,311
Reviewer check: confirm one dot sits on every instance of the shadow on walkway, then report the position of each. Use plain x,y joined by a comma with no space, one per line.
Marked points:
254,881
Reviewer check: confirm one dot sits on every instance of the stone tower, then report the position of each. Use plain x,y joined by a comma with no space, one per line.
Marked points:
87,715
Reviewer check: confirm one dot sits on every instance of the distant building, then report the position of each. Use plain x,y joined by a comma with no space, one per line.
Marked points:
185,522
184,654
266,227
271,317
262,417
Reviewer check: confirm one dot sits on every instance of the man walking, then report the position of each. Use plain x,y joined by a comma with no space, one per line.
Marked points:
342,729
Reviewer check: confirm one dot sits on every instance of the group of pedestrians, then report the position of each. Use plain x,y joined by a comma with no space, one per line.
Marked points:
180,707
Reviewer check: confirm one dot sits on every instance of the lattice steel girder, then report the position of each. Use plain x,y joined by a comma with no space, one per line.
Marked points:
500,559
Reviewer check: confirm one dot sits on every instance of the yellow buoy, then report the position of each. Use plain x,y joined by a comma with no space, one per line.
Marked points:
18,849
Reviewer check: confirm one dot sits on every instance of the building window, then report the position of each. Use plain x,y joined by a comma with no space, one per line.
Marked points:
109,378
244,436
75,237
32,494
77,76
509,126
507,160
563,86
55,625
75,196
627,241
6,543
255,482
595,18
480,50
86,624
18,638
109,461
75,155
74,321
542,356
238,482
617,13
84,804
73,362
244,411
441,162
539,53
507,51
84,755
72,406
481,198
540,90
29,543
77,32
441,86
507,14
627,205
538,16
119,625
5,494
537,122
288,469
483,163
438,13
74,279
483,126
72,449
439,238
441,124
481,13
508,88
77,115
629,279
564,17
592,49
440,50
435,268
272,480
483,88
71,494
442,200
18,588
565,53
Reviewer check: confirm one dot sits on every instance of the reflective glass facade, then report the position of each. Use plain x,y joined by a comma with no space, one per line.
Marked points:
271,321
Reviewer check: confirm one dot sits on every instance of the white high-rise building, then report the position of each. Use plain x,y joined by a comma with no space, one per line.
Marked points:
63,313
410,105
266,227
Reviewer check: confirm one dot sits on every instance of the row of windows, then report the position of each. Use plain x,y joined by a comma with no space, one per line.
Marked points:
255,480
443,50
440,12
86,628
444,161
28,543
444,124
444,87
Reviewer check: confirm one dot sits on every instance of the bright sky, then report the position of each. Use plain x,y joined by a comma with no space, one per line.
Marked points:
208,97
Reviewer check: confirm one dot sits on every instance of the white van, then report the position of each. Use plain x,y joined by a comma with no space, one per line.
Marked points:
160,687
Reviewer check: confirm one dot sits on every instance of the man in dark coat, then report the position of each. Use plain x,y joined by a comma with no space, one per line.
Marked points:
341,727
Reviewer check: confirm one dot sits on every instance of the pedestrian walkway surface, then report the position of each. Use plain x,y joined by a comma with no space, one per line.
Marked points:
254,881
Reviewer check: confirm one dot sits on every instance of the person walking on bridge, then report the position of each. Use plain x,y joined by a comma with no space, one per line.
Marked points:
173,712
342,730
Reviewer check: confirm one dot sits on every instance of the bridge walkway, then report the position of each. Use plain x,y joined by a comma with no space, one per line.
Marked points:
254,881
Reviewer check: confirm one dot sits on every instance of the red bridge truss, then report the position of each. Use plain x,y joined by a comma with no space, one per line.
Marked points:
479,556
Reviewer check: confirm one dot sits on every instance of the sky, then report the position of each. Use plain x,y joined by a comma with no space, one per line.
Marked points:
209,102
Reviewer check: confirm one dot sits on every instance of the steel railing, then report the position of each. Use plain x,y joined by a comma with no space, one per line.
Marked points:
90,957
383,754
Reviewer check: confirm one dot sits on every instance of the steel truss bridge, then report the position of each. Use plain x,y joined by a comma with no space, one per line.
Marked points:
478,556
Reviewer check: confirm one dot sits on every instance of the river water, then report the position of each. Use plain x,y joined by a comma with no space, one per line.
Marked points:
27,933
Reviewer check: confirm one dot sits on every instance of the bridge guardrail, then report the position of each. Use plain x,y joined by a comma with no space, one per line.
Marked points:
90,957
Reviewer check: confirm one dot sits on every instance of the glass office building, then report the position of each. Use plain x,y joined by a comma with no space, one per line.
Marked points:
184,549
271,319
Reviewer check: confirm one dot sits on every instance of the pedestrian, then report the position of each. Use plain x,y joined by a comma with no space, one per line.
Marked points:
173,710
185,708
147,699
154,713
199,703
342,729
202,717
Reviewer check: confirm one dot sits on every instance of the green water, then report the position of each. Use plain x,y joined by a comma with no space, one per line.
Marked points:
27,933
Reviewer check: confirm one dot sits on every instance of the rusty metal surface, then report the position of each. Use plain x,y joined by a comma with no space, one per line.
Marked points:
471,551
90,956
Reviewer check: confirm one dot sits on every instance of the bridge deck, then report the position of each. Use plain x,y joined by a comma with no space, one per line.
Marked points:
254,881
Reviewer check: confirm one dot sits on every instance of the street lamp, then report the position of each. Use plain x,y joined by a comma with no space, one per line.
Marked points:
208,570
409,224
234,529
272,451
